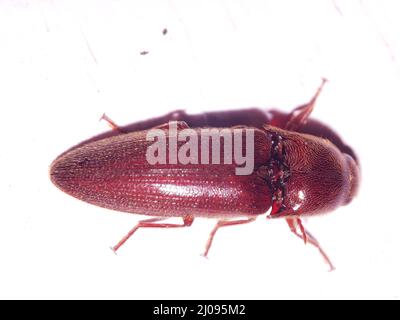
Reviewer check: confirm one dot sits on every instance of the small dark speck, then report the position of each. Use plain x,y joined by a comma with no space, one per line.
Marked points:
165,31
143,53
83,162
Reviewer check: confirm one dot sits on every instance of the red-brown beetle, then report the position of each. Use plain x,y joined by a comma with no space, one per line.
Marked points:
301,168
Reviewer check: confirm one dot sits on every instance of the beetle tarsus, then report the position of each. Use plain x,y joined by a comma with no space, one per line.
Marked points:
152,223
306,236
113,250
220,224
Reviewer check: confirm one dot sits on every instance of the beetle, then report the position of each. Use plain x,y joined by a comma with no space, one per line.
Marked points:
301,168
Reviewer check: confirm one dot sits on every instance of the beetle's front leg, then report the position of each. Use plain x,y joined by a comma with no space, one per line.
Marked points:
296,226
152,223
220,224
299,116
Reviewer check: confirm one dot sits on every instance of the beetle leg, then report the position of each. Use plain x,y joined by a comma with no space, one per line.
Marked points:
179,125
220,224
300,115
307,237
111,123
293,224
152,223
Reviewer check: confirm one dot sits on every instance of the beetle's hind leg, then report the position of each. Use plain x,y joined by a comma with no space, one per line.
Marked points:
111,123
220,224
296,226
152,223
299,116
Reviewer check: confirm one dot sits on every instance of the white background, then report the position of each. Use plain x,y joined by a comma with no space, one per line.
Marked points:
64,63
